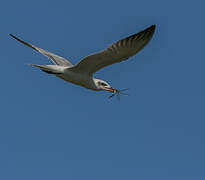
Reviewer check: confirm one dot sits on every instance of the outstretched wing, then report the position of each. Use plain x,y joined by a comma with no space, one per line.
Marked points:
55,58
117,52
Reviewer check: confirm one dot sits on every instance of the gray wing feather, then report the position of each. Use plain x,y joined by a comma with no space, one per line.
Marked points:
117,52
55,58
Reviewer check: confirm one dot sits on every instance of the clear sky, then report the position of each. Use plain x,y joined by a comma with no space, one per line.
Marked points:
50,129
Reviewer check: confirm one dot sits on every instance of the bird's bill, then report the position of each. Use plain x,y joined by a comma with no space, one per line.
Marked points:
110,89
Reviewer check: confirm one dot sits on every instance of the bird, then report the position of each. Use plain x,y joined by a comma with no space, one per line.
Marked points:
82,73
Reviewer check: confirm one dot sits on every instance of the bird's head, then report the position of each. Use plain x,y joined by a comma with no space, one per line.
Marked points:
102,85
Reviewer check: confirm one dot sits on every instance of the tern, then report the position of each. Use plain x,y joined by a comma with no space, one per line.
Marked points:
82,73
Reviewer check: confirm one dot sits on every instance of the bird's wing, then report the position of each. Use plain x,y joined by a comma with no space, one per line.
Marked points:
55,58
117,52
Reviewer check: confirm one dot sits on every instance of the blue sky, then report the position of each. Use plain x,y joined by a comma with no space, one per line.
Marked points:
50,129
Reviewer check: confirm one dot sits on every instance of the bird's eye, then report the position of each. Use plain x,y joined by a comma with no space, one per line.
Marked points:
103,84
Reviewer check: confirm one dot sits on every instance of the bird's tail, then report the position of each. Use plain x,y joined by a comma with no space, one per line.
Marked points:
50,69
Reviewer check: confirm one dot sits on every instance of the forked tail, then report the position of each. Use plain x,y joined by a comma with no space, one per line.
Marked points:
50,69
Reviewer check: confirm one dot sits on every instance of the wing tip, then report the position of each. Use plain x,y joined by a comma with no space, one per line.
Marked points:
149,32
15,37
12,35
152,27
23,42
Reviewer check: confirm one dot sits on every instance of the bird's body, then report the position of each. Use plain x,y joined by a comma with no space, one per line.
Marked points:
70,74
82,73
82,79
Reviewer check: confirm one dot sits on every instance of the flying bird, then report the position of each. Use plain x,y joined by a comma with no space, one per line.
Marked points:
82,73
